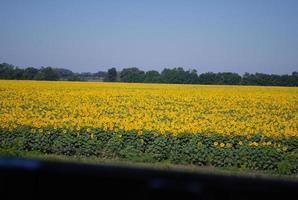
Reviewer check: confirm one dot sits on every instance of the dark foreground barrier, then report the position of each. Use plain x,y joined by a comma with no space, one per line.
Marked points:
28,178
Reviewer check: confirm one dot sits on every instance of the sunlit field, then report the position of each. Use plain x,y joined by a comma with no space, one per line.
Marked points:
217,118
155,107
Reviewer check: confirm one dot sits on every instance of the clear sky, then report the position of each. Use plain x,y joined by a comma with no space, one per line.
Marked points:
207,35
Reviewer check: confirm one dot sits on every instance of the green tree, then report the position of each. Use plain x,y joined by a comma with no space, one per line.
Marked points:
30,73
293,79
192,76
152,77
208,78
132,75
229,78
74,77
18,73
6,71
64,74
47,73
179,75
111,76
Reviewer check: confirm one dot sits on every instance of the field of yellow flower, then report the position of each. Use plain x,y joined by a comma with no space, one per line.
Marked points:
159,107
243,126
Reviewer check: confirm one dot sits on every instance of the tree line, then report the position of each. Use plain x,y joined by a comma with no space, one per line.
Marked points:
8,71
180,76
176,75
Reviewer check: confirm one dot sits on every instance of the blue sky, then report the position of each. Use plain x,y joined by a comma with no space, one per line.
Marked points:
207,35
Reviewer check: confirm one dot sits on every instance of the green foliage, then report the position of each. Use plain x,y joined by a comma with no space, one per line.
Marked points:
111,76
30,73
74,77
179,75
7,71
131,153
65,74
114,146
160,147
289,165
47,73
132,75
222,78
202,149
284,167
152,76
229,78
270,79
176,75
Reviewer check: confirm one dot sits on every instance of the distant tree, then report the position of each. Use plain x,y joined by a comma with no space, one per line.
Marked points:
47,73
132,75
100,74
30,73
209,78
75,77
192,76
6,71
64,74
179,75
246,79
86,75
269,80
229,78
172,75
175,75
226,78
18,73
111,76
293,79
152,77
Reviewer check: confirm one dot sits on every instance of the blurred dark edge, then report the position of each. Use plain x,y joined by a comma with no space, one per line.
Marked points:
29,178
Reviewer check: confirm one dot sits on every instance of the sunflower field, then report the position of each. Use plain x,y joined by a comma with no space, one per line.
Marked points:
246,127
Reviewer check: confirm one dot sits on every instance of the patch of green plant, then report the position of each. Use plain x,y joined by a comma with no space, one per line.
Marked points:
254,152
